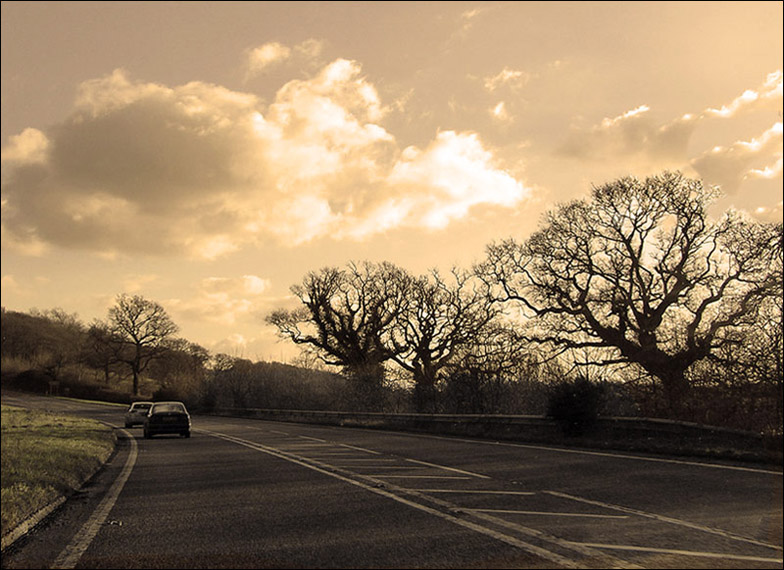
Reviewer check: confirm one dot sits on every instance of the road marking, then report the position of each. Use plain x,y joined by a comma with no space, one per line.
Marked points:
371,466
683,552
338,453
536,550
586,452
81,541
363,459
421,477
360,449
547,513
670,520
313,438
474,492
448,468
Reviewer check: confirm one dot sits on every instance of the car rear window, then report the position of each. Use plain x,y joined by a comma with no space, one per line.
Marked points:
168,408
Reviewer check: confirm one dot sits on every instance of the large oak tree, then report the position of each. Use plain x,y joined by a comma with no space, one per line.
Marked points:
346,316
641,271
442,318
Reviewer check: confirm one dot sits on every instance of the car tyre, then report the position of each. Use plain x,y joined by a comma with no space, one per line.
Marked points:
147,434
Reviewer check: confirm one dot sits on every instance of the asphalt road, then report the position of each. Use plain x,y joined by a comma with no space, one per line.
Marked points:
257,494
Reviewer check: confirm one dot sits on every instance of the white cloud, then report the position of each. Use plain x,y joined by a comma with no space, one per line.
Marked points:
28,147
500,112
245,285
727,167
514,79
451,176
222,300
770,213
767,95
647,144
266,55
203,170
272,54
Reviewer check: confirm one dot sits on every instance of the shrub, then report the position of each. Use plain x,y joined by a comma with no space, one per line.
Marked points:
575,405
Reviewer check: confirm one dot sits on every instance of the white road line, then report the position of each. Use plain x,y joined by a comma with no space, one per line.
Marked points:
319,453
364,459
661,518
683,552
305,445
548,514
69,557
371,466
448,468
538,551
473,492
360,449
421,477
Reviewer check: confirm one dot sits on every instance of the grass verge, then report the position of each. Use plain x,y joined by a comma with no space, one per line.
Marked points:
45,456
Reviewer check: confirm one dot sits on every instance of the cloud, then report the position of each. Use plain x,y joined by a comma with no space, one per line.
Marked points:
769,95
137,283
267,56
29,147
770,213
729,166
431,187
633,134
648,144
264,56
222,300
500,113
202,170
507,77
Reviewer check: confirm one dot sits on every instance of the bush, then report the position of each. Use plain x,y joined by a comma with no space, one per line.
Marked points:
575,405
28,381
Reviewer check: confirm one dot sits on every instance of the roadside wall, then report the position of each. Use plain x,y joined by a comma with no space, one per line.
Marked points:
630,434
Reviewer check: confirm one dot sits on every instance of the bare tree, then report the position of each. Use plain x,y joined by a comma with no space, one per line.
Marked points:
100,349
142,330
440,318
641,271
346,315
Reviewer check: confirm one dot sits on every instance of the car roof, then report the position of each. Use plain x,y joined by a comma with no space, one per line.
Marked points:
170,403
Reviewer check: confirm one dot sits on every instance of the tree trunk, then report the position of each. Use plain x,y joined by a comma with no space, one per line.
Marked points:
425,396
368,379
676,390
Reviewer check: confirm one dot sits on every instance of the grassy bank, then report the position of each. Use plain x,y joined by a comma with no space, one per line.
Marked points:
46,456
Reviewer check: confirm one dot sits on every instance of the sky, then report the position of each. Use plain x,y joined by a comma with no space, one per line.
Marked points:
208,155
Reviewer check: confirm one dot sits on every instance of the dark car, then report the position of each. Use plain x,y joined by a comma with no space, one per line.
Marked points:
167,417
136,414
